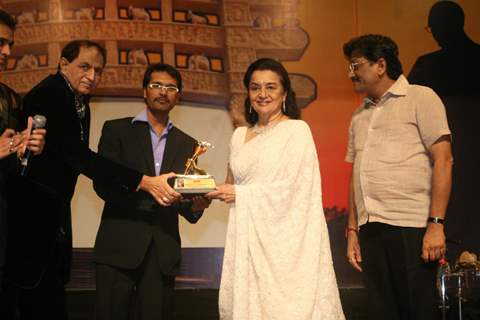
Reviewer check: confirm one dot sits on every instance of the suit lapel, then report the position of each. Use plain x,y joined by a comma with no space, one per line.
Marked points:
142,136
171,149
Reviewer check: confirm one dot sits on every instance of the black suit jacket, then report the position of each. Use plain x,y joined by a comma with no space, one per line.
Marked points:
131,221
39,216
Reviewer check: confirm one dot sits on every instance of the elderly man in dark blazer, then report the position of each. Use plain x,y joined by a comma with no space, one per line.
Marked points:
39,243
137,250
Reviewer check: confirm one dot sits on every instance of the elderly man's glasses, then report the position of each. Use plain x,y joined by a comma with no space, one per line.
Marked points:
353,66
158,86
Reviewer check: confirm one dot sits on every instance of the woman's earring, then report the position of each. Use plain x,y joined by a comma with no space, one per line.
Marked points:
284,107
250,110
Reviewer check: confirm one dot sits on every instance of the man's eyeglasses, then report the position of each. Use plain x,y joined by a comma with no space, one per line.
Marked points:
353,66
4,42
158,86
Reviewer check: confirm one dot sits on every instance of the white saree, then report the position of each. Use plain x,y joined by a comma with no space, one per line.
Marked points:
277,263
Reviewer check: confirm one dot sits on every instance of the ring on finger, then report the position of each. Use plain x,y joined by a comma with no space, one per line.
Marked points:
11,143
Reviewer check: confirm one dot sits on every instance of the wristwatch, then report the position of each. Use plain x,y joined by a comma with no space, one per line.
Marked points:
436,220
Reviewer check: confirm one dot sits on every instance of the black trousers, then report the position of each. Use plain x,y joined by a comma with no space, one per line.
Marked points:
143,293
46,301
400,285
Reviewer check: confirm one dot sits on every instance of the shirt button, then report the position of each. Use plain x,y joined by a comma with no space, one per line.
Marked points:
157,164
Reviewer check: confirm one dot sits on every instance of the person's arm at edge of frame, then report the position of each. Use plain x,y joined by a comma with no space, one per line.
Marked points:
434,239
354,255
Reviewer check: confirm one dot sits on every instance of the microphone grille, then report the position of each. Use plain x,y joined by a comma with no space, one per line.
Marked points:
39,121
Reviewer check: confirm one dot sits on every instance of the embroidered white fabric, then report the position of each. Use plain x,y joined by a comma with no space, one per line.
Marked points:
277,262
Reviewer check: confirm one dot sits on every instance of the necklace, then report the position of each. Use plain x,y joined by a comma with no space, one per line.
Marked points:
269,126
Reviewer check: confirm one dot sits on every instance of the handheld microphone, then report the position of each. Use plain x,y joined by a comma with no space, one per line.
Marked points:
39,122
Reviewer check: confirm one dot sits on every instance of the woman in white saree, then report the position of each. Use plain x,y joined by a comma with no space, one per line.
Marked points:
277,263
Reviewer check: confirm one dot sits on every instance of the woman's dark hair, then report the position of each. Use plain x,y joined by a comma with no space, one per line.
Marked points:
291,108
374,47
72,49
162,67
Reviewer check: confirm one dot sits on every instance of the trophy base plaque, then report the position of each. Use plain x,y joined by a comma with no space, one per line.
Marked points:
194,184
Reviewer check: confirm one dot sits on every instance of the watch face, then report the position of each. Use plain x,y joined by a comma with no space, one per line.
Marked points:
435,220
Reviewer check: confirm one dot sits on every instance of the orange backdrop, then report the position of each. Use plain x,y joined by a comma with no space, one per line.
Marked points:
330,24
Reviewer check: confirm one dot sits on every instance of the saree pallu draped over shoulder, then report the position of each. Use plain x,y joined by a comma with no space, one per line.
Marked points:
277,262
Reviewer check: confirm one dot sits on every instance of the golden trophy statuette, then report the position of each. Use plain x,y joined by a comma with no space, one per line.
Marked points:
195,180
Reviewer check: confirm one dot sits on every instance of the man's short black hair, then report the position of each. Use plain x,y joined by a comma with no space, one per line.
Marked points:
374,47
162,67
7,19
72,49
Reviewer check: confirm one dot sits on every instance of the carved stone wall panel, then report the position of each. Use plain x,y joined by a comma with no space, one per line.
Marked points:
240,58
24,81
112,51
54,10
276,3
54,52
240,37
236,109
237,13
209,82
129,30
122,77
236,82
237,42
281,38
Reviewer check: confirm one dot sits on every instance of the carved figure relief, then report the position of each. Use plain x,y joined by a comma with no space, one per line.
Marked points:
196,18
85,13
198,62
138,13
263,22
28,61
28,17
137,56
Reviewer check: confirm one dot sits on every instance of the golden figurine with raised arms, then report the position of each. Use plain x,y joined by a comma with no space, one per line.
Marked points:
195,180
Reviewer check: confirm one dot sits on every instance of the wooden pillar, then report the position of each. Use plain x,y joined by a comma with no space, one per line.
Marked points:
169,53
54,51
167,10
111,10
112,51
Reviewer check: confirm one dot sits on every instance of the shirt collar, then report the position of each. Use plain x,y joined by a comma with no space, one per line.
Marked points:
69,85
398,88
142,117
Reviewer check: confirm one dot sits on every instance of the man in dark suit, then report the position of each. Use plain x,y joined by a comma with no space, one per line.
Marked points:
11,141
137,250
40,236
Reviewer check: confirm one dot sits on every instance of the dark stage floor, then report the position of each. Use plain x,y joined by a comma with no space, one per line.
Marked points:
202,304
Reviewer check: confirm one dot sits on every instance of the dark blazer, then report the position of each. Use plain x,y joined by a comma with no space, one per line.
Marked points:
131,221
40,220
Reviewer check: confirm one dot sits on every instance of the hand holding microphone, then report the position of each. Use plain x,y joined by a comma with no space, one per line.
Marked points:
35,140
